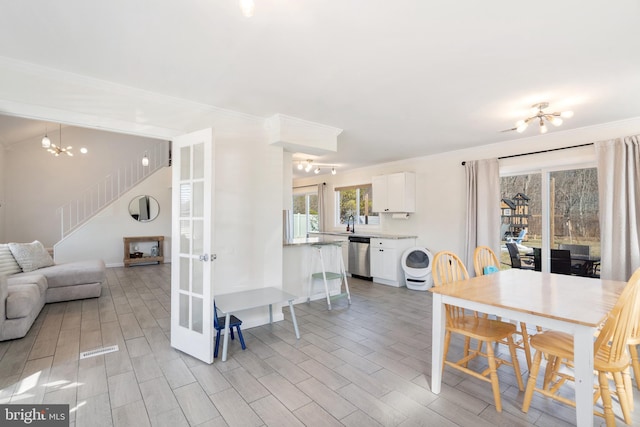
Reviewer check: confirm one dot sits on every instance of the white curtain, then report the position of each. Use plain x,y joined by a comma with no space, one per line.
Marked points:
483,207
321,205
619,191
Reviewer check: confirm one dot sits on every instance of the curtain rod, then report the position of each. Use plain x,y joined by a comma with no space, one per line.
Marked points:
310,185
541,151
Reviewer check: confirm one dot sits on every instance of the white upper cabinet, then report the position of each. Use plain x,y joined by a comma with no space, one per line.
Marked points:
395,192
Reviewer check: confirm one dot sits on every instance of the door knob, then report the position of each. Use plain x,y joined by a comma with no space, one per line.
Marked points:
204,257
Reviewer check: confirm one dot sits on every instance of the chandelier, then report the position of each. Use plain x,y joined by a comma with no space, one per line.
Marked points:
542,118
308,165
54,149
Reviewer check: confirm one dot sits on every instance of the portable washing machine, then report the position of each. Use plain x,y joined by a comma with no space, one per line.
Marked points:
416,263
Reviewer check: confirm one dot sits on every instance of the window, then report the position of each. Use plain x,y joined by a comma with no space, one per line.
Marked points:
355,201
305,214
559,211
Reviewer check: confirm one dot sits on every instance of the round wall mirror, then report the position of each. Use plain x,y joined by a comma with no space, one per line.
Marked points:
144,208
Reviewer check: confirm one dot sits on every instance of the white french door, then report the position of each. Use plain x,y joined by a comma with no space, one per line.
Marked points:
192,240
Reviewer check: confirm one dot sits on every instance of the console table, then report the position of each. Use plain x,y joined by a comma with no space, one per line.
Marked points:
130,254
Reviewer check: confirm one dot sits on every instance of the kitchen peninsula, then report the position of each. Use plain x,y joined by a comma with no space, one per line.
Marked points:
298,257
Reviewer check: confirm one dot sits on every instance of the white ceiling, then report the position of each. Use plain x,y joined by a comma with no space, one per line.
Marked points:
403,78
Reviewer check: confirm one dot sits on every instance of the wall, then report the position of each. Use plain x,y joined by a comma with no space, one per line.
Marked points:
102,236
248,209
2,195
439,220
37,183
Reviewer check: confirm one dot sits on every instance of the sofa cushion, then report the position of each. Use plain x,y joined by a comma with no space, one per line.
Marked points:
21,300
8,264
71,273
23,279
31,256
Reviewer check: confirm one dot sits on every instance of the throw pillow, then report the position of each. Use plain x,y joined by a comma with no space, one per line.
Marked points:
31,256
8,264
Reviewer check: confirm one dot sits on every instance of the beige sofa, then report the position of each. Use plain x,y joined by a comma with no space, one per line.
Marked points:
24,293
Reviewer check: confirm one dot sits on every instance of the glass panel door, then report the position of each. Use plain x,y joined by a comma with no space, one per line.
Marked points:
191,284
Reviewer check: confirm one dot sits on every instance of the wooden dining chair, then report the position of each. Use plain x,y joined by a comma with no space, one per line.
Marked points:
634,340
448,268
483,258
610,357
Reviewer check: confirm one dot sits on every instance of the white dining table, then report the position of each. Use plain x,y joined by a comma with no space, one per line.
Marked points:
572,304
245,300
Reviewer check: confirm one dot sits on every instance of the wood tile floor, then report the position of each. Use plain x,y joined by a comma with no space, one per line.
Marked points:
364,365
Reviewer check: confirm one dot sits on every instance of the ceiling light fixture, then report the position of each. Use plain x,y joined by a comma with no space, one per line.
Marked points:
55,149
247,7
46,142
542,117
308,165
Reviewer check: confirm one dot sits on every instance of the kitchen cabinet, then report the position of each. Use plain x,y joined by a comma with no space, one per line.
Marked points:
385,260
395,192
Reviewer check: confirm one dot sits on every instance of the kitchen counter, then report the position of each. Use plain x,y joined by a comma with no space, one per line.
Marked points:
370,235
302,241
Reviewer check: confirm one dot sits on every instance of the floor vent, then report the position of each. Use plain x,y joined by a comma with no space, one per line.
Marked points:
98,351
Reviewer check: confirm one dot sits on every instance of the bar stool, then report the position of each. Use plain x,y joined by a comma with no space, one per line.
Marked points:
327,276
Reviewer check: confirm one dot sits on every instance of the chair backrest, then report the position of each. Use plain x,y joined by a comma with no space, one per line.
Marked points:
537,259
483,257
576,249
516,262
621,321
521,235
215,316
560,261
448,268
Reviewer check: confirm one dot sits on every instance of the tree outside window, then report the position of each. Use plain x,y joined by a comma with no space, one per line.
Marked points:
356,201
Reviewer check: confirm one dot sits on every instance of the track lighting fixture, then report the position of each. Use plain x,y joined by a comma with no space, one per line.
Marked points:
308,165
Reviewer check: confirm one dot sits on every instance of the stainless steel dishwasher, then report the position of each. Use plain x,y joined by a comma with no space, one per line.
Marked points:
359,263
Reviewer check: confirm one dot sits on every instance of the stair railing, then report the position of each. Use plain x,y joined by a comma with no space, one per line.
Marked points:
97,197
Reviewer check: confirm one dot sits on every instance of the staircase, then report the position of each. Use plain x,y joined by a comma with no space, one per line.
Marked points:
96,198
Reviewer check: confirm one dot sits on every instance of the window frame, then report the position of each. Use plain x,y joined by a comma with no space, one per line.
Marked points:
307,204
337,199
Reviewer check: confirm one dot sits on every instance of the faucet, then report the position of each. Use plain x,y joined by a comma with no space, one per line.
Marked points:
353,225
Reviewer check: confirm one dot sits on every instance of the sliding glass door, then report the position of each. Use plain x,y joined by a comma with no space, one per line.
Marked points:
551,217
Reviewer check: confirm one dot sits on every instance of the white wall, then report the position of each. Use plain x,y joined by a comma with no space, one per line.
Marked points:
37,183
248,210
439,220
2,194
101,237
